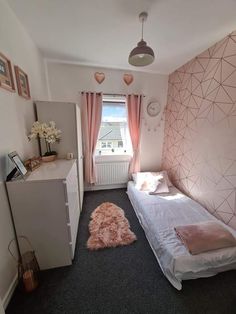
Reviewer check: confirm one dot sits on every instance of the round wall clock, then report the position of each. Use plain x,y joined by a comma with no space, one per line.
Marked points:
153,109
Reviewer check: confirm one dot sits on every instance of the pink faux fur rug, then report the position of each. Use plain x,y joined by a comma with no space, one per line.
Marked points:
109,228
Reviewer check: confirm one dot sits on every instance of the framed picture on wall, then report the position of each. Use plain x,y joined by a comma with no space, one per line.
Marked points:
22,83
6,77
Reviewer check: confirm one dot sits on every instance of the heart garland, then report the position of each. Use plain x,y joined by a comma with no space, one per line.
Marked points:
128,79
99,77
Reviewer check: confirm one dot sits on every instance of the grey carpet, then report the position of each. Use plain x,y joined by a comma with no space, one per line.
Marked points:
121,280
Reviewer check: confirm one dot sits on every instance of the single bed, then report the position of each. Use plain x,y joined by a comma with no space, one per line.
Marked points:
158,215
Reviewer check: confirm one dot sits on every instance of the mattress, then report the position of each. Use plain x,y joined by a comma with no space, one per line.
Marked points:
158,215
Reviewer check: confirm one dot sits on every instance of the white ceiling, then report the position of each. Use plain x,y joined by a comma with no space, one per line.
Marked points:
103,32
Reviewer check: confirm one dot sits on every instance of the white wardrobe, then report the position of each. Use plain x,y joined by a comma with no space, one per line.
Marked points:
68,119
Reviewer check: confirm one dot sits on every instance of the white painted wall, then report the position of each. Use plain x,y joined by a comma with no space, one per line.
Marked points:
16,117
1,307
67,80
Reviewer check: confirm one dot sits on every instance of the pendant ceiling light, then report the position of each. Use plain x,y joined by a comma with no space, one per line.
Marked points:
142,54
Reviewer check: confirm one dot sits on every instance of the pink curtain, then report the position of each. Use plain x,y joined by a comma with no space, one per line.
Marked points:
134,105
91,121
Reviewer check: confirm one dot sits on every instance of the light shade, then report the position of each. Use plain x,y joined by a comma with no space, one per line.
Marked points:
141,55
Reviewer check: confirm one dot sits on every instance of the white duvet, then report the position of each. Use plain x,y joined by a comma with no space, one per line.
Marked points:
158,215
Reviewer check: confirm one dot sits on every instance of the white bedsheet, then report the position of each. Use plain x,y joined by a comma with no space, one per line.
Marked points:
158,215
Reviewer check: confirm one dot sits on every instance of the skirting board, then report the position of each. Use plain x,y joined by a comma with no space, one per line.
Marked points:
105,187
10,292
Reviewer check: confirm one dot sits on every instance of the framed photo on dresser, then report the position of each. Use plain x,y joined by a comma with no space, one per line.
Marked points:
15,158
6,77
22,83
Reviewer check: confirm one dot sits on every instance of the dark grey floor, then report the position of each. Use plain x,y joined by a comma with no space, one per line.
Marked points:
121,280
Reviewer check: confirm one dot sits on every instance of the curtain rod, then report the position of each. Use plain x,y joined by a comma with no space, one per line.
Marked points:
106,94
111,94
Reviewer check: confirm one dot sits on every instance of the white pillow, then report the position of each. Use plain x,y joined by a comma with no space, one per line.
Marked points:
140,175
147,181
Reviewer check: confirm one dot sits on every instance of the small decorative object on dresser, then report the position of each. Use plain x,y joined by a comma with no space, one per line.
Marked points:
50,134
22,83
6,77
69,156
20,168
33,163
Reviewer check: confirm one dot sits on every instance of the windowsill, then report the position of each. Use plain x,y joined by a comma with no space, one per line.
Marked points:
112,158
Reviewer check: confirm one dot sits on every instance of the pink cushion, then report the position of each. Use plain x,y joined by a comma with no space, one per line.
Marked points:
205,236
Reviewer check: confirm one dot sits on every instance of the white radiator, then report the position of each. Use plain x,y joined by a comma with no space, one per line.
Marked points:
109,173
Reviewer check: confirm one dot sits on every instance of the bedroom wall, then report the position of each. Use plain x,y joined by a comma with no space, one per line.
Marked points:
1,307
16,117
200,129
67,80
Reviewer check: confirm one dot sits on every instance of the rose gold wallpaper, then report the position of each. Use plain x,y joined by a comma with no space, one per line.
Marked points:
200,129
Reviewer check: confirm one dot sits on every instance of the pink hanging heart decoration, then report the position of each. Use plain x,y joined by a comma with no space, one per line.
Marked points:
99,77
128,79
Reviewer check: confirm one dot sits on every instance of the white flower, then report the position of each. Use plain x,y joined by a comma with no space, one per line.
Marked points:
47,131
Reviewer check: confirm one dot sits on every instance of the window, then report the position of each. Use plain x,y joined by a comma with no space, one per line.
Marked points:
106,144
114,138
120,143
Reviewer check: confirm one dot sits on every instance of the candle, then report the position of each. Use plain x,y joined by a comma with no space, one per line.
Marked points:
29,281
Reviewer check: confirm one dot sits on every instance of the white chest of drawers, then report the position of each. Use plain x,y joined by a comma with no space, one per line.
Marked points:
46,209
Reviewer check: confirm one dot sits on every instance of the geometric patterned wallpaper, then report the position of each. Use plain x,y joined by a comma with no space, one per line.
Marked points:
199,150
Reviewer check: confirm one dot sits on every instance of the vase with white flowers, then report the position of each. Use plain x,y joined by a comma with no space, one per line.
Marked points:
50,134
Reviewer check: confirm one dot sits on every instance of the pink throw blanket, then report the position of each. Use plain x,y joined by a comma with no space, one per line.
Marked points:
205,236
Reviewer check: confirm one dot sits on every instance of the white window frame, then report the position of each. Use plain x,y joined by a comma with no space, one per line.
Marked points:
111,151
